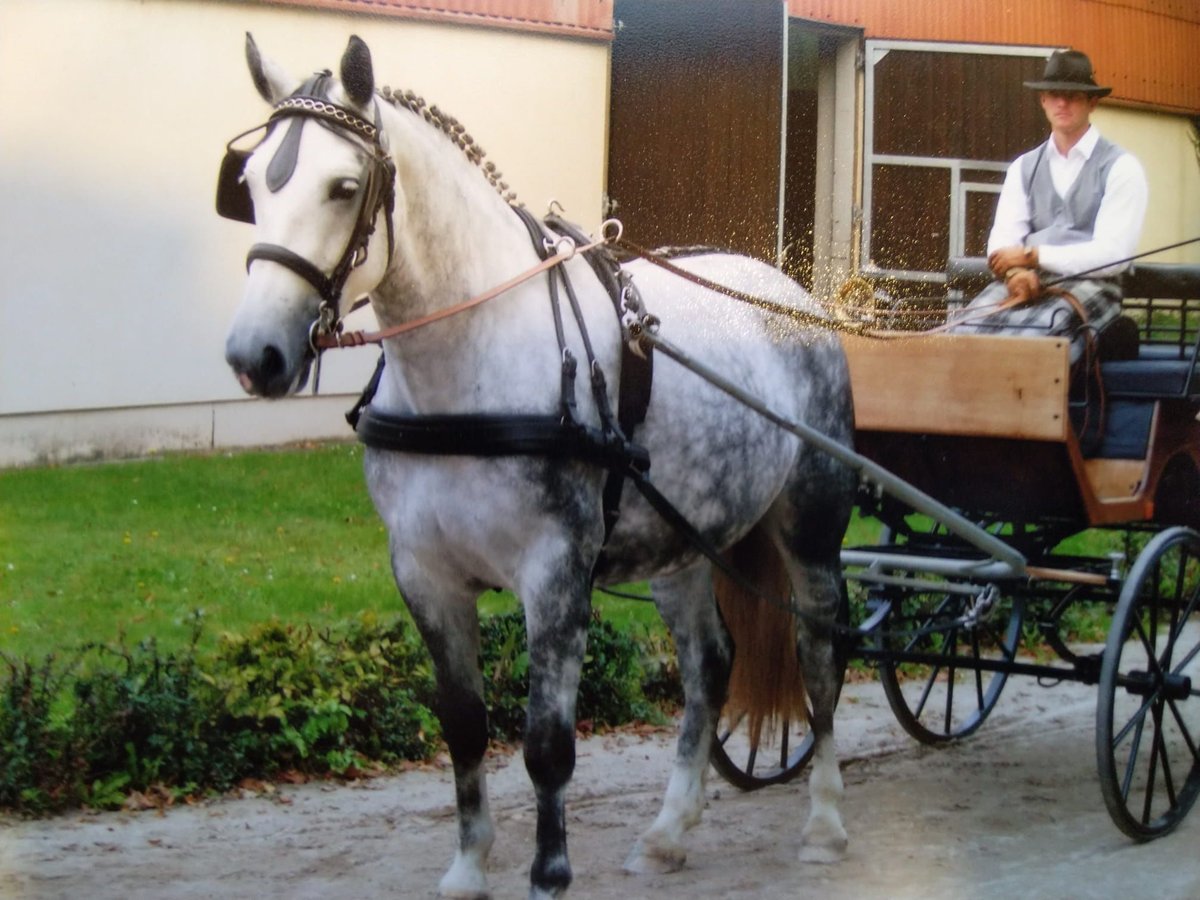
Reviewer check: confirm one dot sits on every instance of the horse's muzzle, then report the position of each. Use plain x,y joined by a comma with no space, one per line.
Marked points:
267,370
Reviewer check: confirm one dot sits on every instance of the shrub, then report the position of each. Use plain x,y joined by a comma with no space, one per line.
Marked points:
90,728
610,689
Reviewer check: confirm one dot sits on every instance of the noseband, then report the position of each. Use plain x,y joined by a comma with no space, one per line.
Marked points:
376,193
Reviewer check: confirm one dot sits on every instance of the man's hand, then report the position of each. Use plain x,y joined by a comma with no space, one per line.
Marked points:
1023,285
1000,261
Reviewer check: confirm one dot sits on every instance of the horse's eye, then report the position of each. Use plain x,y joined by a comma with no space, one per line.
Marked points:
345,189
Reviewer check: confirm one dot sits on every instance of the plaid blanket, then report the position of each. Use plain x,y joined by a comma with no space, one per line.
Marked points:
1047,315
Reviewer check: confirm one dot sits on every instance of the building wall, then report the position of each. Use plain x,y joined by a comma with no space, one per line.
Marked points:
119,278
1164,144
1145,49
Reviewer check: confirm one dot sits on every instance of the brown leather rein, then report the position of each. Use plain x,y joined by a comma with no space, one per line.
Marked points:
564,249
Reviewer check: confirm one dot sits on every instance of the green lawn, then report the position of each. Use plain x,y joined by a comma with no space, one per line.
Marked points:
93,551
88,552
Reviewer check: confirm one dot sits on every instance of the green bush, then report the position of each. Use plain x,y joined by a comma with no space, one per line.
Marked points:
610,688
90,728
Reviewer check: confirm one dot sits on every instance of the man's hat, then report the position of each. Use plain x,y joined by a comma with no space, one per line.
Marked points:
1069,70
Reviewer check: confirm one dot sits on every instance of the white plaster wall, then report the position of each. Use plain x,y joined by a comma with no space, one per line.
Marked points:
117,278
1163,143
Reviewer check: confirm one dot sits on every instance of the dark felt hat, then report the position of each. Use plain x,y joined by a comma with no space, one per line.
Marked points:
1069,70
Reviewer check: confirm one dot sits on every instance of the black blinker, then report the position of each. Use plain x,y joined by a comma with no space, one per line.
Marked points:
233,195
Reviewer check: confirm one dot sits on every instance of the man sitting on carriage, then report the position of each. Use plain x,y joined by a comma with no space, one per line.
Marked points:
1073,205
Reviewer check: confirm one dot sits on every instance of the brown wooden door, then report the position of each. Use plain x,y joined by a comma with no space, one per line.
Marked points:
694,141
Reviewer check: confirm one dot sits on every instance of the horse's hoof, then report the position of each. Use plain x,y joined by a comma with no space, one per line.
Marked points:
646,859
823,845
464,894
461,883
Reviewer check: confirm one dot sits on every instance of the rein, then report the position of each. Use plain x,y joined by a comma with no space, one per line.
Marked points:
565,249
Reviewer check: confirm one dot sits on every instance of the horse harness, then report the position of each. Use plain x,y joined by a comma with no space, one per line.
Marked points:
376,192
560,435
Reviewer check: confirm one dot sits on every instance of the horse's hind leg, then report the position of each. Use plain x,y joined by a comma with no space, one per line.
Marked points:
817,590
450,627
686,603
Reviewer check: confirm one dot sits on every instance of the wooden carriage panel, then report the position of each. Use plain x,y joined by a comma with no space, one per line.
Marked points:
981,423
969,385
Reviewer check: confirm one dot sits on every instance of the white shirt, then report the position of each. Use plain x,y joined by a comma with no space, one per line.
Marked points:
1118,221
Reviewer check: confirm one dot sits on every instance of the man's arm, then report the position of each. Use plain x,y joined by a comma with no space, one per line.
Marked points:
1010,226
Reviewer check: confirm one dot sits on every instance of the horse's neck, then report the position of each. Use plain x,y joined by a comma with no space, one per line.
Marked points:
455,238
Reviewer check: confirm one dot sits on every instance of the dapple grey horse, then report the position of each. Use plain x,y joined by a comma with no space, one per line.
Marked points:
459,524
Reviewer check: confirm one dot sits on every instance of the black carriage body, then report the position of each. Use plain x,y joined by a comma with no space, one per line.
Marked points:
1001,429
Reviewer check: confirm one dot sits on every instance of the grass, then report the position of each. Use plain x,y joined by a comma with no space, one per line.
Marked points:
92,552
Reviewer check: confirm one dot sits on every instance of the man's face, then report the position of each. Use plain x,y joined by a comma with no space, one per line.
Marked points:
1068,111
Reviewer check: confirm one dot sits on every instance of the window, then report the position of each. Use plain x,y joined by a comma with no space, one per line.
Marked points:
943,121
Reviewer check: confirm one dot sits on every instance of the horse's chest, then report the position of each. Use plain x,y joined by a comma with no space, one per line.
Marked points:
470,509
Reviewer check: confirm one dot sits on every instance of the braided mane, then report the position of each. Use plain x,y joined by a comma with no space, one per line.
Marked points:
457,133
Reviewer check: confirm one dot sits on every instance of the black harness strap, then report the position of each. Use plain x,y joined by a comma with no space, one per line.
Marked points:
637,372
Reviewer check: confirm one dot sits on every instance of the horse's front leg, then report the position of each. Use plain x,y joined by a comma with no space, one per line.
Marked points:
704,651
450,627
557,600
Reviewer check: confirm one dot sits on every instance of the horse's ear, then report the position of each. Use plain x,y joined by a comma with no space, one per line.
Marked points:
272,82
358,78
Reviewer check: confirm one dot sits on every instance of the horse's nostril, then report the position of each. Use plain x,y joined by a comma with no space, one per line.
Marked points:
273,364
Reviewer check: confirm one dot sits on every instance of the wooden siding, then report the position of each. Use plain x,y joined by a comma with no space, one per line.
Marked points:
695,122
1144,49
577,18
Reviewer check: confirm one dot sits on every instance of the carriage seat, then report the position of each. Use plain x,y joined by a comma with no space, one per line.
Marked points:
1133,365
1160,372
1148,354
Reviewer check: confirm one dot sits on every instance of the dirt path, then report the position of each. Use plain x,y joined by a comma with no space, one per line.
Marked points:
1013,813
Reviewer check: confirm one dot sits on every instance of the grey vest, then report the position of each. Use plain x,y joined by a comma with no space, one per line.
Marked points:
1070,219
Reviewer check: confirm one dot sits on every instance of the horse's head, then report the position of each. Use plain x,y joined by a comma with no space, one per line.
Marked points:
319,188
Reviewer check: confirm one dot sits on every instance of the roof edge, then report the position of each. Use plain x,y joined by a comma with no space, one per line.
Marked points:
479,13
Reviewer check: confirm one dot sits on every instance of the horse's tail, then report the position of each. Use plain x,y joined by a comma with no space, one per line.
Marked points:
766,684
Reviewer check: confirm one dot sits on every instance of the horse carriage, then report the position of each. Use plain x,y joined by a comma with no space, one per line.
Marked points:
1032,454
490,467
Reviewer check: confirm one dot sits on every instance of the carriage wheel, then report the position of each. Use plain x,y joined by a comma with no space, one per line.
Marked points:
752,760
1147,714
945,695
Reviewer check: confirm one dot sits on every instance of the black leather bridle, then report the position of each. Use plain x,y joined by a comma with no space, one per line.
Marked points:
376,193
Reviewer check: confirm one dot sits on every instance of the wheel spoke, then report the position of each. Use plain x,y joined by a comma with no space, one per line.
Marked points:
1161,744
1178,670
951,671
1183,729
1146,804
1135,720
1148,644
920,707
722,739
1131,763
978,671
783,744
